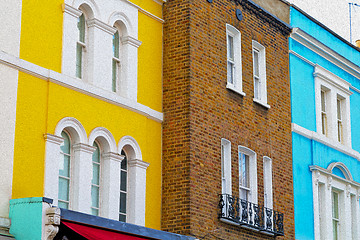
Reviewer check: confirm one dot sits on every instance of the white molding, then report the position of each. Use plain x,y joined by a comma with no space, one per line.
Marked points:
261,103
80,86
324,51
76,129
130,40
332,79
84,148
329,173
53,139
112,156
70,10
161,2
146,12
237,85
226,186
101,132
252,172
262,73
325,140
138,163
268,183
234,89
130,141
301,57
100,25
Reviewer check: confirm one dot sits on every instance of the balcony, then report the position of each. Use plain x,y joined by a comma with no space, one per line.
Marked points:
240,212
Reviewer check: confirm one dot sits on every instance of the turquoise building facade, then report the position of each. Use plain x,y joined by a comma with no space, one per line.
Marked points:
325,105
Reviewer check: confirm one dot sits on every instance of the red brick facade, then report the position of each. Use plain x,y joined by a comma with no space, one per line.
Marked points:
199,110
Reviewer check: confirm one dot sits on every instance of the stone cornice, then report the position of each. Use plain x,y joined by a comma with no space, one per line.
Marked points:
132,41
101,25
53,139
249,5
138,163
84,148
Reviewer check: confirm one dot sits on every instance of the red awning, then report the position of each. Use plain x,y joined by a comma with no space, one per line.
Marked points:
93,233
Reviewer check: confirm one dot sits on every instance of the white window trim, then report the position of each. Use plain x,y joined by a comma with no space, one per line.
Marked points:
262,100
237,85
335,87
253,196
226,187
268,186
347,188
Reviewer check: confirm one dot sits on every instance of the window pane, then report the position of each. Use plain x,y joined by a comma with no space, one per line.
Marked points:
116,44
230,47
256,88
123,203
323,106
65,146
339,109
63,205
122,217
64,166
323,123
81,28
335,205
335,230
95,212
95,196
96,174
114,74
230,72
96,154
123,181
256,63
79,52
124,161
64,189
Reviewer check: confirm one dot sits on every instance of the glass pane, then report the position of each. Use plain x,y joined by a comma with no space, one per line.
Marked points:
116,44
79,51
335,230
114,74
323,106
96,174
123,181
94,196
256,63
63,189
323,123
81,28
339,109
123,203
122,217
244,194
335,203
96,154
64,166
124,161
230,72
63,205
95,212
65,146
256,88
230,47
339,131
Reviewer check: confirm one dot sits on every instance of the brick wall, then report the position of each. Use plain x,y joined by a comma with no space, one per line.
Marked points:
199,111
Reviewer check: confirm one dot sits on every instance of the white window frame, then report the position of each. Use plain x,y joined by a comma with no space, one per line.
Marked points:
226,187
335,88
268,186
262,97
253,196
236,86
324,183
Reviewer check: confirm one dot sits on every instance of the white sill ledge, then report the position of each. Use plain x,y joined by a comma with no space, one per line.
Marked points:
234,89
267,106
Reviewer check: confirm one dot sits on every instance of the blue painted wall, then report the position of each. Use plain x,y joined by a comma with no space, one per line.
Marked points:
307,152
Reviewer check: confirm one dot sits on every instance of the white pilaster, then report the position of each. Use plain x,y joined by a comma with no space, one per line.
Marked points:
346,215
129,63
137,191
70,37
327,220
82,176
52,159
100,54
110,189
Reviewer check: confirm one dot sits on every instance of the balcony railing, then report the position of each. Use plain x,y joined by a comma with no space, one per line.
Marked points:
244,213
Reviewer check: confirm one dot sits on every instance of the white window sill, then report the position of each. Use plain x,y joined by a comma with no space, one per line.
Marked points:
261,103
234,89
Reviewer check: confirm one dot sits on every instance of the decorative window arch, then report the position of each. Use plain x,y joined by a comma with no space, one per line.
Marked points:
336,203
136,194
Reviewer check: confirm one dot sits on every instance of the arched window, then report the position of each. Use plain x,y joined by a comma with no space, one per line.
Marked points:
80,46
116,61
95,182
64,172
123,187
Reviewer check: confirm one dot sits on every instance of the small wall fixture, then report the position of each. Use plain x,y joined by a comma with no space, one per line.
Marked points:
239,15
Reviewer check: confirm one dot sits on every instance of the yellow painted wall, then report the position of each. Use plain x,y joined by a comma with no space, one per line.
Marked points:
41,104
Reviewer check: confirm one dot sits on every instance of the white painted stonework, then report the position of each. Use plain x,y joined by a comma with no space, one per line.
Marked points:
10,26
81,170
324,182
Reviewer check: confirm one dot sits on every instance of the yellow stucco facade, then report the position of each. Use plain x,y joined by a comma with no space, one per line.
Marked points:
42,103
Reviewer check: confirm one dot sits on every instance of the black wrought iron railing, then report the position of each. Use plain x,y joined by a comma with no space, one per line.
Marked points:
245,213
